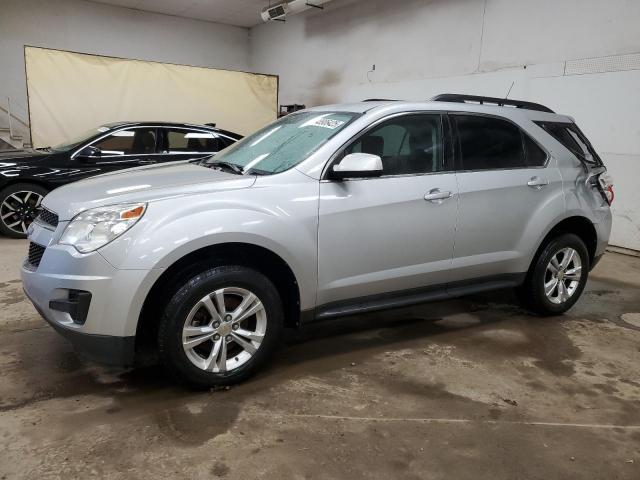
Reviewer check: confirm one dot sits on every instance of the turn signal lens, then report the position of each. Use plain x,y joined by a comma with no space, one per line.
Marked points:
133,213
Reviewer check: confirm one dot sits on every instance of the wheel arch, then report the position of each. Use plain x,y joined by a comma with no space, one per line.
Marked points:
249,255
577,225
10,182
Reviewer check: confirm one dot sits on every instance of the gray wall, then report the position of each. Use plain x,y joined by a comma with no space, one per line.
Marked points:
324,56
421,48
88,27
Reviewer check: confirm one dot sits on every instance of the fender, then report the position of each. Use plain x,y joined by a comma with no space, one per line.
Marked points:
165,235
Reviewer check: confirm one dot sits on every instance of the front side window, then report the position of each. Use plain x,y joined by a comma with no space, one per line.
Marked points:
407,145
285,143
137,141
487,143
185,141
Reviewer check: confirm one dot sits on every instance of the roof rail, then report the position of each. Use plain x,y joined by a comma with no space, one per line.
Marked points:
380,100
501,102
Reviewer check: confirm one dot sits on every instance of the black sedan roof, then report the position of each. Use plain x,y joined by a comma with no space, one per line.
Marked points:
114,125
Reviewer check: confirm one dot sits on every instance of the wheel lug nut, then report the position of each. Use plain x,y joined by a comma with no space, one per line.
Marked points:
216,324
228,338
235,326
227,317
216,337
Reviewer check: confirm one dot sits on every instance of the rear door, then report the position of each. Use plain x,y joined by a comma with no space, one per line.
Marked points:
510,192
188,144
395,232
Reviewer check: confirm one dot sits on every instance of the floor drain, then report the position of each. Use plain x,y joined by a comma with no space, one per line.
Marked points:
631,319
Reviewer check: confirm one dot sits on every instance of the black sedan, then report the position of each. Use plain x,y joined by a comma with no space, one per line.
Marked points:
26,176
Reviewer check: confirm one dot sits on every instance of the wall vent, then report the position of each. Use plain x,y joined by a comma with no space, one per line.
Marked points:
613,63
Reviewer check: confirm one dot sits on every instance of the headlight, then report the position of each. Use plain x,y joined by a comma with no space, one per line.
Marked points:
94,228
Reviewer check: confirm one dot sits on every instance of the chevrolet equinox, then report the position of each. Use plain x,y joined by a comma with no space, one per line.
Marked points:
327,212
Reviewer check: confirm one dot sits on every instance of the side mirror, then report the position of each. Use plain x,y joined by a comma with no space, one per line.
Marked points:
89,153
357,165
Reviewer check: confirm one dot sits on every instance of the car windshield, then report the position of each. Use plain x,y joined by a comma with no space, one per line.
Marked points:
78,139
284,143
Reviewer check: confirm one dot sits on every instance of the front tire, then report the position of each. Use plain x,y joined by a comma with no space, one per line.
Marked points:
19,206
557,277
220,326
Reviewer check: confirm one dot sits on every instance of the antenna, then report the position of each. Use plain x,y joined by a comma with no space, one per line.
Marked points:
512,84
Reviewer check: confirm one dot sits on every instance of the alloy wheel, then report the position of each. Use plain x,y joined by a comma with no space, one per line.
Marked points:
19,209
562,276
224,329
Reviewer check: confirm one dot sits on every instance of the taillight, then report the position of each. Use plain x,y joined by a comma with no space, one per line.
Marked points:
606,187
609,194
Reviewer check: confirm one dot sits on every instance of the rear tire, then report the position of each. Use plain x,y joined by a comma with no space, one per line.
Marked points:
557,276
19,206
233,311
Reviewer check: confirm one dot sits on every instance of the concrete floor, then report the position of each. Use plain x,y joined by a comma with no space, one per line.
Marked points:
466,389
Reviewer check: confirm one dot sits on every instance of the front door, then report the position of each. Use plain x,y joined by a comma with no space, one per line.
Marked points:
395,232
130,147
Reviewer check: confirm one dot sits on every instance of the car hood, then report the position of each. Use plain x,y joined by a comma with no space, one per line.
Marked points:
11,158
143,184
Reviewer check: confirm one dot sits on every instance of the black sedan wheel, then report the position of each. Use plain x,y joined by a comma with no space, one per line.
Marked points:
19,206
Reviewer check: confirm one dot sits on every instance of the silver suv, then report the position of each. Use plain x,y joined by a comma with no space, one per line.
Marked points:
328,212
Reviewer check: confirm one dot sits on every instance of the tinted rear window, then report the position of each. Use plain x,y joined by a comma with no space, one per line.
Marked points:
488,143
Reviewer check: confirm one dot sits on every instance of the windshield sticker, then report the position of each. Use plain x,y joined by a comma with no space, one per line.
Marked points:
327,123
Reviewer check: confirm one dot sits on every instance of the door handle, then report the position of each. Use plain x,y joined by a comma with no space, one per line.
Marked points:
537,182
437,196
147,161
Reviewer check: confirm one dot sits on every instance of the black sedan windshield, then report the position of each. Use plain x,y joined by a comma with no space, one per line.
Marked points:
79,139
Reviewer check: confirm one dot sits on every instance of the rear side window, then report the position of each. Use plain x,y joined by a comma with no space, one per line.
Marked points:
191,141
488,143
569,135
407,145
534,155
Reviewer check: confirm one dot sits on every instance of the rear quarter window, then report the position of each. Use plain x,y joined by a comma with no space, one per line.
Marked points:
572,138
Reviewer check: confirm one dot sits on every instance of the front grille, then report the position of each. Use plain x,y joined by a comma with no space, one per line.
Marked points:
47,217
35,254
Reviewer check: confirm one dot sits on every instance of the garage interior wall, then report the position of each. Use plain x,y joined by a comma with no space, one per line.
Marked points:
82,26
579,57
108,89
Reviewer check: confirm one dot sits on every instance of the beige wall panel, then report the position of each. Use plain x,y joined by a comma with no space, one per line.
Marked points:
72,92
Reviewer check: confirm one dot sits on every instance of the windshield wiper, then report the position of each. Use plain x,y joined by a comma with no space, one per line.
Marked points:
228,166
255,171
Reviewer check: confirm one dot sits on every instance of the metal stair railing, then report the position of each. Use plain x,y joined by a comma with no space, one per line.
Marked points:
11,118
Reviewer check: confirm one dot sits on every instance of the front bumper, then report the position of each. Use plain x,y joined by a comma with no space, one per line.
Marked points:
108,328
105,349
